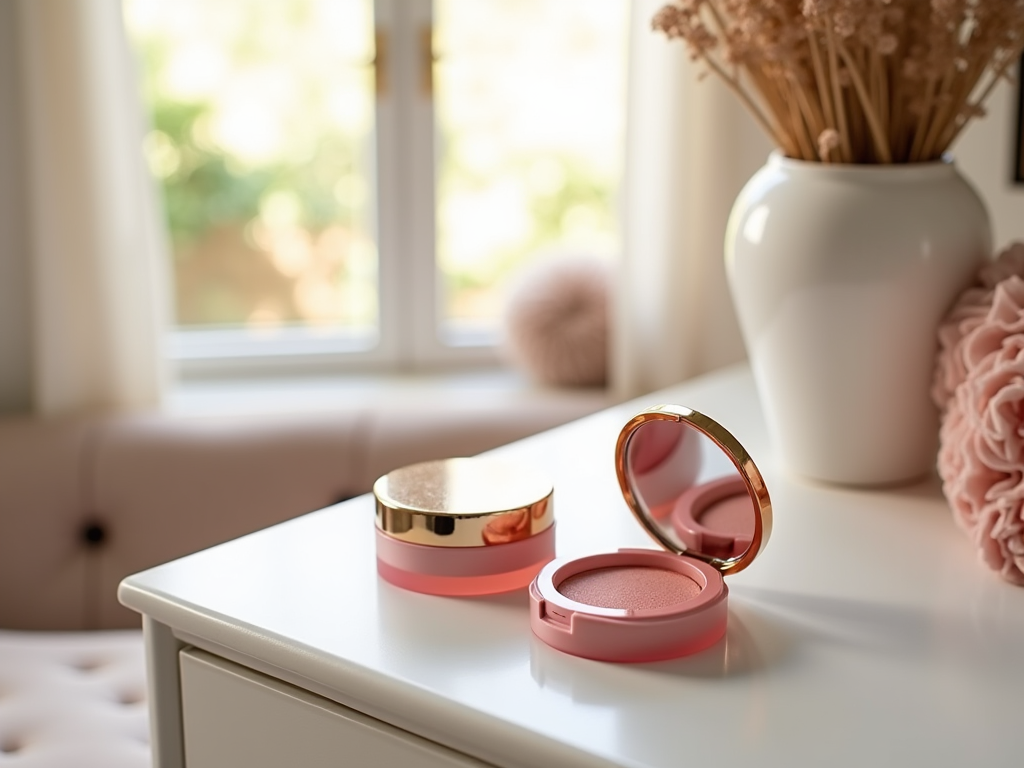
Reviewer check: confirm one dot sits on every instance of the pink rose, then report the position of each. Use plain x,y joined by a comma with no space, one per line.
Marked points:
969,312
979,386
1005,318
999,536
981,459
966,479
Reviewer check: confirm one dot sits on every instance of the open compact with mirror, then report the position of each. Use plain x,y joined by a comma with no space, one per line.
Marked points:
699,495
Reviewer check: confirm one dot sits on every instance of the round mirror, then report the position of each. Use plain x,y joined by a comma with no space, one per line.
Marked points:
693,486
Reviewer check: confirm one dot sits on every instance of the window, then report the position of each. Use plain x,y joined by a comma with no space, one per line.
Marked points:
354,183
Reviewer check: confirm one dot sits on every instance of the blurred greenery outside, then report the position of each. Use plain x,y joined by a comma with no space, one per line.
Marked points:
264,150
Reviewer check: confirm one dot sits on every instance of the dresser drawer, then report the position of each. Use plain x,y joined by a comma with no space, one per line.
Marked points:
234,716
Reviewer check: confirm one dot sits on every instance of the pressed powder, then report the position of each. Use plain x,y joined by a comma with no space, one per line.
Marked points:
635,588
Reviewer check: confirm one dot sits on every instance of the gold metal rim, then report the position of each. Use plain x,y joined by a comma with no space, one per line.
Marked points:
465,502
737,454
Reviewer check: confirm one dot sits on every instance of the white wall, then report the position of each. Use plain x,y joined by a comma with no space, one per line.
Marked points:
15,310
985,154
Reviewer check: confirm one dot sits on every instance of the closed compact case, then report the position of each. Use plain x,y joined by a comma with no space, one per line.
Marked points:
470,526
699,495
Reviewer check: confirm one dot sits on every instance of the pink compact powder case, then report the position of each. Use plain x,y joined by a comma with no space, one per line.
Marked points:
697,492
472,526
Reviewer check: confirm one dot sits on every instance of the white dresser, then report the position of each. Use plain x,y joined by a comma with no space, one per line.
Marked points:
865,634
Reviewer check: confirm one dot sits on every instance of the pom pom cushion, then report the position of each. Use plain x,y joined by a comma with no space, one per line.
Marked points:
557,320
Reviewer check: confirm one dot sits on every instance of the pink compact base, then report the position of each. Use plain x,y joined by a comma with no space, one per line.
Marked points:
461,571
634,605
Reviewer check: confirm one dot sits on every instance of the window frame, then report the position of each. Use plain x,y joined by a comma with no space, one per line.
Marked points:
402,160
404,153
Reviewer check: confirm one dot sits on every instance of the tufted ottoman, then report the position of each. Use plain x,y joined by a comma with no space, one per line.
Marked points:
73,700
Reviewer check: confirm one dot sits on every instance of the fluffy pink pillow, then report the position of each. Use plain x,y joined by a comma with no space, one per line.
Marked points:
979,385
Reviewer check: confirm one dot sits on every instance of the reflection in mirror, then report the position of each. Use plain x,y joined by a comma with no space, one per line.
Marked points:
687,488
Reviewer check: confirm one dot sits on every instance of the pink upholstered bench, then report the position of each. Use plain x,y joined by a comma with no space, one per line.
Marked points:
84,503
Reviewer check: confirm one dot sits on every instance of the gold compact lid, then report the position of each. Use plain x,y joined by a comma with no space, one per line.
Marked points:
473,502
693,487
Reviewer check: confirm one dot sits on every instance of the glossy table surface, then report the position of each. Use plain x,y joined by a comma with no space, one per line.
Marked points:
867,633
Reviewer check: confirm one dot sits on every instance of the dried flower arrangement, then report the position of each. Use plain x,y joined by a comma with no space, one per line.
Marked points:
855,81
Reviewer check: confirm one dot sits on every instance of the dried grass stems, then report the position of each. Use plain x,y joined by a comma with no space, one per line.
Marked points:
855,81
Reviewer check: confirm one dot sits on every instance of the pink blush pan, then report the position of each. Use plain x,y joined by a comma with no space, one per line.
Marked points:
633,588
634,605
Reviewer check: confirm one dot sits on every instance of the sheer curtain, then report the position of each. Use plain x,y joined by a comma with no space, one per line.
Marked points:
96,238
690,149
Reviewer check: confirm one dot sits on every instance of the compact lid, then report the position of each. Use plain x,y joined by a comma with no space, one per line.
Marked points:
693,487
473,502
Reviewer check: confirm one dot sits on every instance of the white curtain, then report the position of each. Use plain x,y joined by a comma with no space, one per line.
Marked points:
690,149
97,247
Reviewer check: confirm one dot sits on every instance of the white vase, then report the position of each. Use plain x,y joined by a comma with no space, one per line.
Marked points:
840,275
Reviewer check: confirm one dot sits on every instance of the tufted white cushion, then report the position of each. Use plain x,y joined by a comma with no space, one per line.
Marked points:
73,700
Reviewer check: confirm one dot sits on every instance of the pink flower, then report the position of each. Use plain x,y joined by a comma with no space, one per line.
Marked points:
1004,320
967,314
981,459
970,312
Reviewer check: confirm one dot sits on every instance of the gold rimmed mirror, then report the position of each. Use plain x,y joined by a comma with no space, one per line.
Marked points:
693,487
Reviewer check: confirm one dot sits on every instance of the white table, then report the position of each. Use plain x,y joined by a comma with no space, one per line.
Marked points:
867,633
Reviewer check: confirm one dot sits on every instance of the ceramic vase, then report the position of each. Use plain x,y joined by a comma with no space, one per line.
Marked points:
840,275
